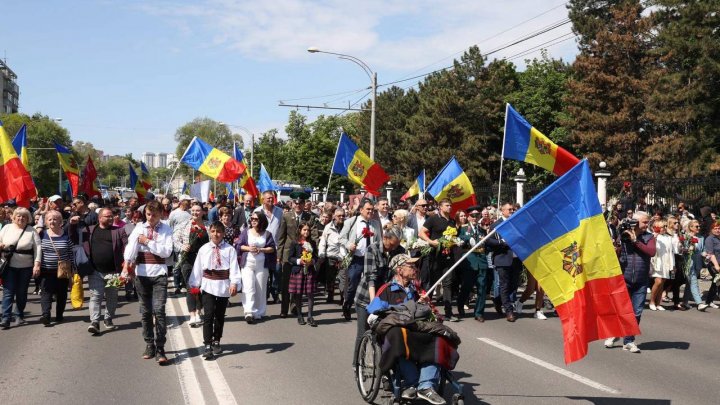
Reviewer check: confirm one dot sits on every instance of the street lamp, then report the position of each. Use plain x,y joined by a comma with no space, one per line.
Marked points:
373,84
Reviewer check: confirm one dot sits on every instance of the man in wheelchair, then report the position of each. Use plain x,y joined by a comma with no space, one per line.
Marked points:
402,317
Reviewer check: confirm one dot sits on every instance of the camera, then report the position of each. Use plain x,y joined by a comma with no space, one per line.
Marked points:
627,225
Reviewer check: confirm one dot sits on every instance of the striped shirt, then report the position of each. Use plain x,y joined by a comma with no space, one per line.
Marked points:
63,244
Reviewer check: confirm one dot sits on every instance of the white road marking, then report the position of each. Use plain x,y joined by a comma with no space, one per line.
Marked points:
189,385
551,367
220,386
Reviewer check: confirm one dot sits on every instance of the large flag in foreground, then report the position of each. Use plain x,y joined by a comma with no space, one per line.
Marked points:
211,161
417,188
265,182
562,238
246,181
88,183
354,164
525,143
453,183
20,144
69,166
15,180
137,185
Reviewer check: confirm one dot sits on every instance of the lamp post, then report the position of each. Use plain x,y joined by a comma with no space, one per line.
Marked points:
373,85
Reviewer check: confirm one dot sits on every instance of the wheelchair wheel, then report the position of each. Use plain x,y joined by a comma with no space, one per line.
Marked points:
367,368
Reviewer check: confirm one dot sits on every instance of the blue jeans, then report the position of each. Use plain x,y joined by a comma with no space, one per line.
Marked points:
354,273
693,287
428,377
637,292
15,287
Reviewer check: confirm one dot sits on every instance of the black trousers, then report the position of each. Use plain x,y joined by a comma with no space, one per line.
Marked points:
438,266
152,292
284,288
51,285
214,317
331,272
509,280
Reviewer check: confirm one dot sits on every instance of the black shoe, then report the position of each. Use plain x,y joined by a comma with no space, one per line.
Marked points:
45,320
216,349
293,311
283,316
161,358
511,317
94,328
249,319
59,319
5,325
346,314
177,291
208,353
301,320
498,306
312,322
149,352
109,325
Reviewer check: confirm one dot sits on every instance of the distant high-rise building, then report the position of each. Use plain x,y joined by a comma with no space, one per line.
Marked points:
9,90
161,159
149,159
172,161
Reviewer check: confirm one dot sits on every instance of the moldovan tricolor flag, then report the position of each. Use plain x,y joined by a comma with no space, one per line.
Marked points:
145,177
246,181
137,185
562,238
212,162
453,183
354,164
14,176
88,183
525,143
417,188
20,144
69,166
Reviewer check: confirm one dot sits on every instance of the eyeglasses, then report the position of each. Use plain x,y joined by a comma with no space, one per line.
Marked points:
421,205
253,219
474,215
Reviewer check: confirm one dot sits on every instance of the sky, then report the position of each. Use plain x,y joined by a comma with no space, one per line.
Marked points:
124,75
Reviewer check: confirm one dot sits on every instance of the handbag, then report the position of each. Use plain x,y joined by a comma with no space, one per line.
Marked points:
6,257
64,269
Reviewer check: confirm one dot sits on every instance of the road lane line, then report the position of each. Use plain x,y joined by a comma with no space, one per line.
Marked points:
220,386
189,385
550,367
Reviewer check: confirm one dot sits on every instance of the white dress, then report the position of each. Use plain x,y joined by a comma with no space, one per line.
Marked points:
664,259
254,279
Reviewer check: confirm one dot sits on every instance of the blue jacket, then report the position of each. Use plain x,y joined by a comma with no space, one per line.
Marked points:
391,294
635,258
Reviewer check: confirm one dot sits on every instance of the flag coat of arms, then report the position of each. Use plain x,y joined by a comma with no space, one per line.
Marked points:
453,183
525,143
562,238
354,164
69,166
14,176
212,162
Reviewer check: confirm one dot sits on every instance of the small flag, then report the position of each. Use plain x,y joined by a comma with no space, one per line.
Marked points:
417,188
20,144
354,164
70,167
136,185
265,183
88,180
145,177
453,183
562,238
525,143
211,161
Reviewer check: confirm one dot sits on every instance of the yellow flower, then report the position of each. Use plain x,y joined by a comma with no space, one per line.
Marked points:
450,232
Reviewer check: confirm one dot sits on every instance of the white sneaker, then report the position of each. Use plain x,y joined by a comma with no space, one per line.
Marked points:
702,307
660,308
631,347
540,315
610,342
518,307
653,307
713,305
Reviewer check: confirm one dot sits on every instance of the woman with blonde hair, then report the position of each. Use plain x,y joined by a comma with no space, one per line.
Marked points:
400,219
694,254
662,264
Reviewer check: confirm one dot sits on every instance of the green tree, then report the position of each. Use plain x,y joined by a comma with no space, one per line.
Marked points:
213,132
41,132
270,150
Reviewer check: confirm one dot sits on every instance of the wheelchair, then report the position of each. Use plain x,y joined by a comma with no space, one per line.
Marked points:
370,379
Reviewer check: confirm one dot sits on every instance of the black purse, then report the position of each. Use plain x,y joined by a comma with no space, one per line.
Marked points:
7,256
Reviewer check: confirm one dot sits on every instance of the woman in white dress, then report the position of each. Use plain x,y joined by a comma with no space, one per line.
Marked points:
662,264
256,250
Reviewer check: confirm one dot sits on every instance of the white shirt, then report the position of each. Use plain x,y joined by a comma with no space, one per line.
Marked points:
331,243
362,244
273,219
160,244
207,260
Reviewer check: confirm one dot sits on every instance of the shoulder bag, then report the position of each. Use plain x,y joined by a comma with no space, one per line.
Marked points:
64,269
7,256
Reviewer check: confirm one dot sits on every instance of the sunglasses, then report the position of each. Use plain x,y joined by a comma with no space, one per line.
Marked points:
254,219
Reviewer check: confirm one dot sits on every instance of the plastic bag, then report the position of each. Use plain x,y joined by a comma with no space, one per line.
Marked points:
77,294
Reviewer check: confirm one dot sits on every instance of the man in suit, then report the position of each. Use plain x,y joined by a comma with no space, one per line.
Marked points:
357,244
508,266
287,236
241,215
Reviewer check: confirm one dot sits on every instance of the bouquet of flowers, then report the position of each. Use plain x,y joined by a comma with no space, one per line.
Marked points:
197,234
448,240
306,256
422,246
366,233
114,280
687,248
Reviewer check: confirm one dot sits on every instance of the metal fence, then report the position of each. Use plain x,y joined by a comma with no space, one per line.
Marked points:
665,194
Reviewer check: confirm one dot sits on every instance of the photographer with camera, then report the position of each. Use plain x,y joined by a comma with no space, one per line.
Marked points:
637,247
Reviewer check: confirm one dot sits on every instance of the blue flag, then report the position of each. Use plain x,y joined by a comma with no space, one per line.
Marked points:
265,183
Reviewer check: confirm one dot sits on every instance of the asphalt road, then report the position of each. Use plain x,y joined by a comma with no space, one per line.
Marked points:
279,361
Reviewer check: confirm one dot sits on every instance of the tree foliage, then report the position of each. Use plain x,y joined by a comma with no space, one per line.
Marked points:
213,132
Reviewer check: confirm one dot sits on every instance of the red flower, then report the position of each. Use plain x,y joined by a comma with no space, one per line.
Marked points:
195,291
367,233
694,240
682,239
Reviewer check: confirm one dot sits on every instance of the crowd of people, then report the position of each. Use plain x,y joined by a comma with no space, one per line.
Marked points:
295,253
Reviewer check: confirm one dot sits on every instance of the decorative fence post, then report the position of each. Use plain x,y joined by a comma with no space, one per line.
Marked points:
602,176
520,180
325,191
342,194
388,190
